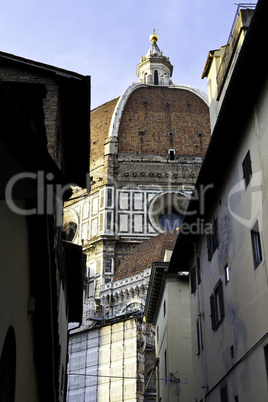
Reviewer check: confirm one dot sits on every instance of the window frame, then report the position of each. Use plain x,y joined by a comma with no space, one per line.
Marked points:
199,333
265,350
247,169
217,306
256,245
224,392
227,274
110,270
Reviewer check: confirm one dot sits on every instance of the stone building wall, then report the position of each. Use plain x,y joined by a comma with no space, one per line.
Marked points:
51,105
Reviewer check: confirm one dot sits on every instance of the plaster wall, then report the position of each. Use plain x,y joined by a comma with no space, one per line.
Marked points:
50,106
244,327
173,341
14,298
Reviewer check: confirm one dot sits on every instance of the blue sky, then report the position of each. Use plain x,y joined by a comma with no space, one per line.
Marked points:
105,39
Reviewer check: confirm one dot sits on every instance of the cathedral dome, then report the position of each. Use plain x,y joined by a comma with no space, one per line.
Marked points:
153,116
144,254
152,120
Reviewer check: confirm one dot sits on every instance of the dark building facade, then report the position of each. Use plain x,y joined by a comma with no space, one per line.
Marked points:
41,275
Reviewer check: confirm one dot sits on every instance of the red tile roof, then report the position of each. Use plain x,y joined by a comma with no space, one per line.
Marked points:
145,253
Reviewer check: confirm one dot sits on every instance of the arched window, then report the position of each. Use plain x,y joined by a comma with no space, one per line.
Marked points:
145,78
155,77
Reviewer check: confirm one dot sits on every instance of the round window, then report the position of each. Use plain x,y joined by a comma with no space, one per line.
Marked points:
170,219
70,225
167,210
69,231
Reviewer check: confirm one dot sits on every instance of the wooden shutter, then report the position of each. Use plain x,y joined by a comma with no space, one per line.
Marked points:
221,298
212,311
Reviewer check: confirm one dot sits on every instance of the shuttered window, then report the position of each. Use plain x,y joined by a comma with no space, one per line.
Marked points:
199,335
256,247
212,240
217,306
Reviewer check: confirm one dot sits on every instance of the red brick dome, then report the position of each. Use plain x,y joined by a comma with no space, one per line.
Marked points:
152,120
157,118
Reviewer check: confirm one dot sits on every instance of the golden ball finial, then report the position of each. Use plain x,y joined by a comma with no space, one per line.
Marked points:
154,37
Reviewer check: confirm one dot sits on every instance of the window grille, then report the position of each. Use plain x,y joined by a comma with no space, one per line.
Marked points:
212,240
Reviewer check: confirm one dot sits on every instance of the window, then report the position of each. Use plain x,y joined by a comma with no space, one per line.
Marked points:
227,274
164,308
155,77
199,335
224,393
212,240
8,367
171,153
109,197
266,359
108,265
69,231
256,245
217,306
109,220
247,169
170,219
